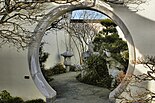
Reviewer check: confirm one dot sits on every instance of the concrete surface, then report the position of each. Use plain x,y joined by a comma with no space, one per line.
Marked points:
69,90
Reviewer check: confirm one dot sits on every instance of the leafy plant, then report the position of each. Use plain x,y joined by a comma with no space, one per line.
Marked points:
57,69
72,68
42,59
5,97
15,100
35,101
138,83
109,41
96,72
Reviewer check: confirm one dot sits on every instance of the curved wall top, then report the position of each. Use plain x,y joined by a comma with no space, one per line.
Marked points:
33,51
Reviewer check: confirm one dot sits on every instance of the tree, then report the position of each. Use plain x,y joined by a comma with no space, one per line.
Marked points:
82,27
17,16
14,14
108,41
137,92
95,66
95,72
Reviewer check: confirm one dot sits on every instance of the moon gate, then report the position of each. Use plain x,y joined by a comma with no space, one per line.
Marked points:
33,50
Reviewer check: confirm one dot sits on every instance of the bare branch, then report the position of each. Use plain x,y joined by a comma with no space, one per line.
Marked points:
147,96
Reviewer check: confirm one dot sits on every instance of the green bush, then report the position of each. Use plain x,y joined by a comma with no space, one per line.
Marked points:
35,101
58,69
96,72
5,97
15,100
72,68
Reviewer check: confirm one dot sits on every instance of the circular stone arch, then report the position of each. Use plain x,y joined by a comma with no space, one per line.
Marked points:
33,50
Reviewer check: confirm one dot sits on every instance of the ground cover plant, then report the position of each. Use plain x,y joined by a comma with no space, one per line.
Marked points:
5,97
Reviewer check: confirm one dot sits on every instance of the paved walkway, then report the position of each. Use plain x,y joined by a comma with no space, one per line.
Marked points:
69,90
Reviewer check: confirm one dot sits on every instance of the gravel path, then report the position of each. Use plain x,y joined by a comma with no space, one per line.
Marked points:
69,90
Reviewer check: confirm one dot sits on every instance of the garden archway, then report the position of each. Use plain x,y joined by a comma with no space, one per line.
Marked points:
33,50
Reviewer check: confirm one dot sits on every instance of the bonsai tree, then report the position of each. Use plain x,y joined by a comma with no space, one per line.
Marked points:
96,72
107,41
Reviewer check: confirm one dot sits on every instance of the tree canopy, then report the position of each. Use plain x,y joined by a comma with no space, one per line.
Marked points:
109,41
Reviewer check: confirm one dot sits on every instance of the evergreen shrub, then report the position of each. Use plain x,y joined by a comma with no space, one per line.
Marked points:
96,72
5,97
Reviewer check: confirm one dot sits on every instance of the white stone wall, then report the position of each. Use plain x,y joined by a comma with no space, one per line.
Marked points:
13,68
56,45
141,25
14,65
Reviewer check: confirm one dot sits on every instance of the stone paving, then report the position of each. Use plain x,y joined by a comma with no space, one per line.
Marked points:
69,90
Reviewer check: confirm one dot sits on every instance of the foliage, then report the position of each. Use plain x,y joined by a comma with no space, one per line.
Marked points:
108,23
57,69
82,29
16,16
107,41
42,59
42,56
13,15
145,95
72,68
35,101
5,97
13,100
96,72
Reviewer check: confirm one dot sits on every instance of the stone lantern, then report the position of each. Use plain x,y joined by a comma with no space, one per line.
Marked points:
67,59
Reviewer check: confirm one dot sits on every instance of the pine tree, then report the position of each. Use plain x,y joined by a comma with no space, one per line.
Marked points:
109,41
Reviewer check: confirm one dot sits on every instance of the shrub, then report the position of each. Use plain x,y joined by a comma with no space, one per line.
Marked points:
15,100
96,72
5,97
58,69
35,101
72,68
